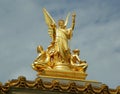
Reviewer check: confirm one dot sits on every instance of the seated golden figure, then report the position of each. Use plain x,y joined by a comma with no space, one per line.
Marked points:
76,63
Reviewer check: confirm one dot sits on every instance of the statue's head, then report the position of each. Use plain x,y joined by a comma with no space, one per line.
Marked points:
61,23
39,49
76,51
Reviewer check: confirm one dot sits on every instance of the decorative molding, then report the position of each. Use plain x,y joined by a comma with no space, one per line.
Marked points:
55,85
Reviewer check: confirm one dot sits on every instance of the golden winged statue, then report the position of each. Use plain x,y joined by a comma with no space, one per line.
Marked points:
59,33
58,55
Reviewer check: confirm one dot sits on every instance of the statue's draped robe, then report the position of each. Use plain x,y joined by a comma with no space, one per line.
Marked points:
61,41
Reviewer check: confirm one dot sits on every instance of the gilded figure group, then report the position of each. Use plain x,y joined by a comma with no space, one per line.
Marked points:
58,53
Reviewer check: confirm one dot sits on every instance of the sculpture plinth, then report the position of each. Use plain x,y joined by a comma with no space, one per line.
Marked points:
63,74
57,61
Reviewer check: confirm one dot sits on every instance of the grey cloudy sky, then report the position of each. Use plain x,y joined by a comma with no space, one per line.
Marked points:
96,34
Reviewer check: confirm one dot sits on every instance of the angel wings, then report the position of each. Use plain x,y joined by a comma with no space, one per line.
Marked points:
51,23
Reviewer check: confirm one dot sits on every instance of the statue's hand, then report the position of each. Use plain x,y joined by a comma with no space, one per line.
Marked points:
74,15
53,26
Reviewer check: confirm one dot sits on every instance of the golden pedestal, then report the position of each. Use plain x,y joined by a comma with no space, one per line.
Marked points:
72,75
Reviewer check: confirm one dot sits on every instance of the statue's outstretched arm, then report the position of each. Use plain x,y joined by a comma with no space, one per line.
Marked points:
73,21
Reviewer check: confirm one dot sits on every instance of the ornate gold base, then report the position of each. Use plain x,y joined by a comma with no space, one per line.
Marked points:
73,75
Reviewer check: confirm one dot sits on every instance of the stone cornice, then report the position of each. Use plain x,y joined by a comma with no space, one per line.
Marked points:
55,85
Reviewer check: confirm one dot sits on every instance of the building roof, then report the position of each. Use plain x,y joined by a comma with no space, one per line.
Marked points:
38,85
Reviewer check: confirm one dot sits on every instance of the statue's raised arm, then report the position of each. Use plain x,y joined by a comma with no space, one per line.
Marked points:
73,21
